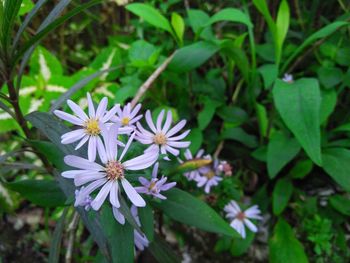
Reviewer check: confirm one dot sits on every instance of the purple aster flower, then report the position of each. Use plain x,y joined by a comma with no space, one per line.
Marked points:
208,176
91,125
110,174
161,137
240,218
127,117
154,186
84,201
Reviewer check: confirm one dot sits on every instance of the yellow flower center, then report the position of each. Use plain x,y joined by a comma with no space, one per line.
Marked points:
92,127
210,174
125,121
159,139
114,170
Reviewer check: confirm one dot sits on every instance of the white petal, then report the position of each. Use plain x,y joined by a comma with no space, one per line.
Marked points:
113,195
101,109
68,117
78,162
101,196
84,178
133,196
110,113
150,121
118,216
250,225
172,150
160,120
92,148
91,106
143,131
179,137
176,128
71,173
141,162
135,110
179,144
77,110
82,142
89,189
101,150
126,148
72,136
155,170
169,119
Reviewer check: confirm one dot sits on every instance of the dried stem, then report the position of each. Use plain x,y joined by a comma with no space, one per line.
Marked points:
145,86
71,235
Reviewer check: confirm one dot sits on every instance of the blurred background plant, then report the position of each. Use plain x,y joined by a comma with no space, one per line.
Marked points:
286,140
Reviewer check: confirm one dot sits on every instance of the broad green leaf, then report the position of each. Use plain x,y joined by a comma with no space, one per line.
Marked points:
45,193
328,103
54,155
337,165
206,115
187,209
198,19
107,58
299,103
192,56
233,115
232,15
147,221
341,204
121,237
45,64
240,246
269,73
330,76
240,135
196,139
150,15
143,54
162,251
282,25
262,6
301,169
280,151
281,194
179,25
284,247
322,33
26,6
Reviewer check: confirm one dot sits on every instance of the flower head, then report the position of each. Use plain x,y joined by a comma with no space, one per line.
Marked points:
208,176
155,185
194,174
225,167
161,137
90,125
288,78
85,201
127,117
240,218
110,174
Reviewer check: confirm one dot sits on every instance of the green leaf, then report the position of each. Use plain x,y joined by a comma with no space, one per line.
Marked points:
299,106
240,135
269,73
328,103
282,25
45,193
54,155
162,251
232,15
8,18
280,151
142,53
301,169
240,246
147,221
121,237
284,247
206,115
262,119
233,115
26,6
341,204
198,19
179,25
150,15
330,76
262,6
322,33
337,165
55,245
185,208
196,139
281,194
192,56
343,128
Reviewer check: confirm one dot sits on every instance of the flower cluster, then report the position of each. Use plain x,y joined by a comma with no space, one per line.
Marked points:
109,135
206,176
